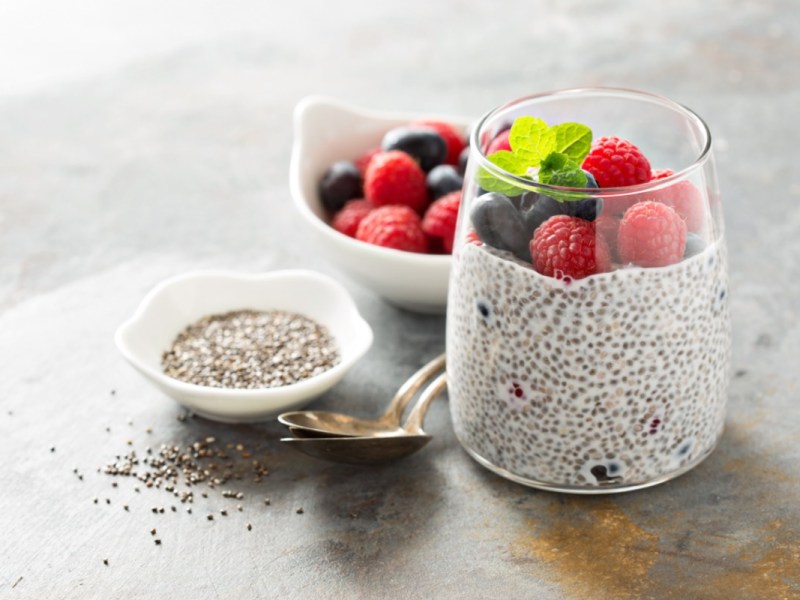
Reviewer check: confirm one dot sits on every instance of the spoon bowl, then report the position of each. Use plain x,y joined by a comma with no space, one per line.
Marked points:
319,423
360,450
381,446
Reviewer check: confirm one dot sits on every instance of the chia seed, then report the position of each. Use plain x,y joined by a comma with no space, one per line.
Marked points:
249,349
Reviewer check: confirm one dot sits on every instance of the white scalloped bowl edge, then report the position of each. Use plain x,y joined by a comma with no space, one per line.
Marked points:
325,131
180,301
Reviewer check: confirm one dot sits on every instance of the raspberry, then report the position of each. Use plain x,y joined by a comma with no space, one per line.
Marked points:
440,219
395,178
615,162
567,247
500,142
346,221
363,161
607,226
472,237
451,135
651,234
397,227
684,197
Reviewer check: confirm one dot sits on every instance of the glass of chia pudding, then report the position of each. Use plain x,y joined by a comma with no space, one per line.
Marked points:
588,330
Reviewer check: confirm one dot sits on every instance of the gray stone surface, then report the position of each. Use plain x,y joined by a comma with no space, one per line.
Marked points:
180,162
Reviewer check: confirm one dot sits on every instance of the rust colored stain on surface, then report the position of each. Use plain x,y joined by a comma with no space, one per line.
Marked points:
669,543
771,567
595,553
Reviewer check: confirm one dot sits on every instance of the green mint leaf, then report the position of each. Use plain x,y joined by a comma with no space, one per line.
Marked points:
531,140
572,139
510,163
560,170
551,163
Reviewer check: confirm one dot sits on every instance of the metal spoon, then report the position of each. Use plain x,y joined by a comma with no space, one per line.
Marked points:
381,446
319,423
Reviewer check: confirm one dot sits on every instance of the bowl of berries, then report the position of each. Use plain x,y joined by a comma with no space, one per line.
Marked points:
380,191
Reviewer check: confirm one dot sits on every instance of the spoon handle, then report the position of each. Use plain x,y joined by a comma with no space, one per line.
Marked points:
413,425
410,388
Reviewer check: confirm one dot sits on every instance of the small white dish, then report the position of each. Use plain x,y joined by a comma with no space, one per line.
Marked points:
326,131
183,300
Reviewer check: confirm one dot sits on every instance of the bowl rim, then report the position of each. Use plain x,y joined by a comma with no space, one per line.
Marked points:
295,179
300,389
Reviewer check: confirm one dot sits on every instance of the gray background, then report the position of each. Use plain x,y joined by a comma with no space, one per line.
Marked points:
141,140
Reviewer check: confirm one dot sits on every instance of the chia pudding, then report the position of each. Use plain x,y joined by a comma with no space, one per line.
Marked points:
611,381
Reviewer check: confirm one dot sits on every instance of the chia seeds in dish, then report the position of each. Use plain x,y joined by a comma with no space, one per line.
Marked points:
615,380
249,349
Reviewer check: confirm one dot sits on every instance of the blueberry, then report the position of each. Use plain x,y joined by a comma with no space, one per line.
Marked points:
499,224
425,146
591,182
587,209
544,208
340,183
525,202
462,161
604,474
443,180
694,245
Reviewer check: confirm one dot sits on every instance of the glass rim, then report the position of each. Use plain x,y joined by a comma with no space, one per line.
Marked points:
630,93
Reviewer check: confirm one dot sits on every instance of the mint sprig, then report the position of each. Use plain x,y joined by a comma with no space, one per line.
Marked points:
557,152
559,169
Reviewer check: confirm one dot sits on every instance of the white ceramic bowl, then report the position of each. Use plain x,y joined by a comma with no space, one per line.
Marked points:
326,131
181,301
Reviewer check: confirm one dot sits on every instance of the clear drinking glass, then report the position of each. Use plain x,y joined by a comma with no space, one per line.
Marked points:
598,383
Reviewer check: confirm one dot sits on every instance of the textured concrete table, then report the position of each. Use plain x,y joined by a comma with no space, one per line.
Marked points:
180,162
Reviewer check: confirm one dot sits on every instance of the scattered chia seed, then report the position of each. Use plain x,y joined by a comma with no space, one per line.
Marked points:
249,527
153,531
158,542
105,561
249,349
300,511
